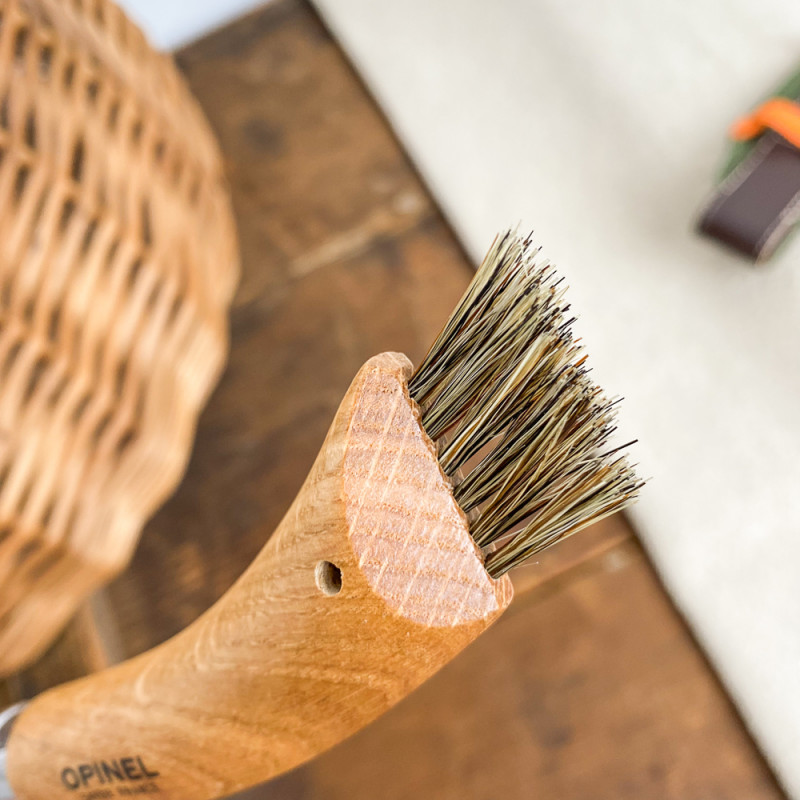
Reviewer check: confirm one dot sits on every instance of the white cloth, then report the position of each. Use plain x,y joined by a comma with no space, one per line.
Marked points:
601,125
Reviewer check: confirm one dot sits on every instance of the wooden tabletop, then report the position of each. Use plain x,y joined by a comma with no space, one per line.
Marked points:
590,686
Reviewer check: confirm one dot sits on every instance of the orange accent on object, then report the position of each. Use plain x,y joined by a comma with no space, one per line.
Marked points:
778,114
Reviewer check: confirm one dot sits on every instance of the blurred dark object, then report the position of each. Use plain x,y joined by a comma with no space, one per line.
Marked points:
756,205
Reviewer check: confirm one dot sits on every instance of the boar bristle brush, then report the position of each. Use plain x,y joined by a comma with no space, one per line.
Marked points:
427,490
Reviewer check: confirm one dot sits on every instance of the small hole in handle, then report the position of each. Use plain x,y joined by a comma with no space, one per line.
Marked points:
328,577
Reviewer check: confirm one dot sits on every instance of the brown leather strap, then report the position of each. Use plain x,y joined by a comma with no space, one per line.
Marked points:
758,204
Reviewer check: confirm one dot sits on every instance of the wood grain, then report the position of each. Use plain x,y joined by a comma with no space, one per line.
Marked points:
289,661
345,255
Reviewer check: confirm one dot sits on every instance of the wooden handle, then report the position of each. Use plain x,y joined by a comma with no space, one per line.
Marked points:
370,584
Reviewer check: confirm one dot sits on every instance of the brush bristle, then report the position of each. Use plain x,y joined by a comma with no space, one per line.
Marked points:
505,385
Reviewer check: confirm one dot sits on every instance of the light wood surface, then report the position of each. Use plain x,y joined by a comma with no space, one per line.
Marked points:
371,583
590,685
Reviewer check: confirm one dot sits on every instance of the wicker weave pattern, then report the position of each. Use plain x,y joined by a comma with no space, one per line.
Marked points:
118,261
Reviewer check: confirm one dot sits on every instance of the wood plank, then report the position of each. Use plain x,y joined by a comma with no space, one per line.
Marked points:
315,171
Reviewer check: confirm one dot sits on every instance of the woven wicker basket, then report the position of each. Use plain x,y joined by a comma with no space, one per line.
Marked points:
118,261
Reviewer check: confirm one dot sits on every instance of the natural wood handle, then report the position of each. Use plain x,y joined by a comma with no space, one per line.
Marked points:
370,584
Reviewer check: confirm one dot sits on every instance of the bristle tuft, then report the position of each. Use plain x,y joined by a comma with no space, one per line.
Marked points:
505,382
